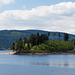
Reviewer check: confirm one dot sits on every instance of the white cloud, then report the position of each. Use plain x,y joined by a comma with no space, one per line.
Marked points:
59,17
3,2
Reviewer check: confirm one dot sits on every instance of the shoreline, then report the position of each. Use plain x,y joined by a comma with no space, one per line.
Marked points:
14,53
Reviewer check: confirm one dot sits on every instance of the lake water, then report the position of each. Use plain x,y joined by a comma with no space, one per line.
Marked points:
37,64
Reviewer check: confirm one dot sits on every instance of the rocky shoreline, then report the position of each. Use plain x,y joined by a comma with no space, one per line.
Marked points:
15,53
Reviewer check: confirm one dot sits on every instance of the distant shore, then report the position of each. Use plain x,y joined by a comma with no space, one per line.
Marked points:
14,53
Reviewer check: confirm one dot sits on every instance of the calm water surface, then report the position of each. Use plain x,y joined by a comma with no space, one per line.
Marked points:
37,64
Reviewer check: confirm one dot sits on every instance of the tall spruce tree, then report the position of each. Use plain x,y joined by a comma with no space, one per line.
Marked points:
32,39
25,40
38,38
20,42
66,37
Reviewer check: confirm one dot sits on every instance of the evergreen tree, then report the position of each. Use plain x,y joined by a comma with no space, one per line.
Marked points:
32,39
25,39
28,46
66,37
43,38
38,38
16,46
20,42
59,35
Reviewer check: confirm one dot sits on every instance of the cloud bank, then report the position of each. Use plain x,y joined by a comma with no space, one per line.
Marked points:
3,2
59,17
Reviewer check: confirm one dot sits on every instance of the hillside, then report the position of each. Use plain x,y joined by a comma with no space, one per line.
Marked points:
8,36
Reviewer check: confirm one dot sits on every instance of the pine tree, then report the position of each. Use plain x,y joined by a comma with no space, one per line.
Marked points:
20,42
16,46
32,39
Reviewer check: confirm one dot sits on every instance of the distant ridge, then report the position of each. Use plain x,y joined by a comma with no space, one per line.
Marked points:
9,36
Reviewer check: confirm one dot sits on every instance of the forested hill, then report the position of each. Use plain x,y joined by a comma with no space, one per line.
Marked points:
9,36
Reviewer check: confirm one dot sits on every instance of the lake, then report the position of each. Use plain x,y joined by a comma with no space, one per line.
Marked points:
37,64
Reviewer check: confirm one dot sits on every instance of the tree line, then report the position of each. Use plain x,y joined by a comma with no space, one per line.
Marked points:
53,46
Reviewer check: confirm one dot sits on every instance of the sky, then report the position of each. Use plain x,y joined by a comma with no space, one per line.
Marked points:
48,15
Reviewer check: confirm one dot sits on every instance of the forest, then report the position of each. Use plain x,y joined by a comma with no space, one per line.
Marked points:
40,43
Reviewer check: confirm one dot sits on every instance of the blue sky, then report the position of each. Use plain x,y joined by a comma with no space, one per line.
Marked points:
29,4
49,15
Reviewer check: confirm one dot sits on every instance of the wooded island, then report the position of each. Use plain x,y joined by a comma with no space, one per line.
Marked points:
40,43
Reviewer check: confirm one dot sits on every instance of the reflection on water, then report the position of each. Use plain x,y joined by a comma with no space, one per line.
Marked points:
55,64
40,63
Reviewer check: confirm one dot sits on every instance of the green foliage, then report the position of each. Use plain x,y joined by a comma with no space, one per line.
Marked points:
37,51
73,41
27,46
54,46
19,45
16,45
